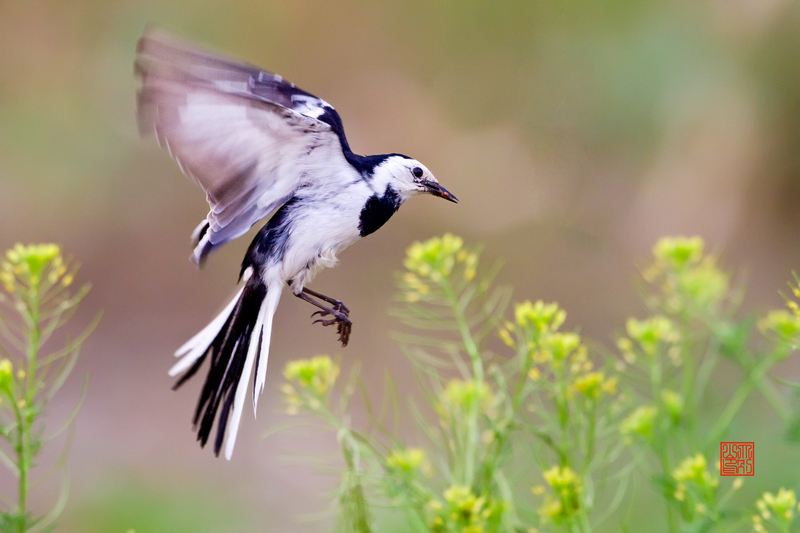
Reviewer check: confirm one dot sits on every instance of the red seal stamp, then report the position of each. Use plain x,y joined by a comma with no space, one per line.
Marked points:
737,458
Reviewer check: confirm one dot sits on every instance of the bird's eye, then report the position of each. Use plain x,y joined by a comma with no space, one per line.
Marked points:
417,172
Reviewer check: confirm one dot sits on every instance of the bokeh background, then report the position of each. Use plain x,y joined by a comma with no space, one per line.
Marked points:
574,133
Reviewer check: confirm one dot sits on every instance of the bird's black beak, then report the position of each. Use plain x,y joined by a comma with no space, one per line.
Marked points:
437,190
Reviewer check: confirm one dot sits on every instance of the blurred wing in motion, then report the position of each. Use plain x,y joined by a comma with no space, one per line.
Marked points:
246,136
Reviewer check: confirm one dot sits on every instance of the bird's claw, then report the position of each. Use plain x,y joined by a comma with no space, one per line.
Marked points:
345,325
339,306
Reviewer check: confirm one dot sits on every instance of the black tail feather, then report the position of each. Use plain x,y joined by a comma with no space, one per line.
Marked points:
228,353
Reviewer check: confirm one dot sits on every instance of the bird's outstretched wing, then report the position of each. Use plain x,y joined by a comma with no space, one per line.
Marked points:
248,137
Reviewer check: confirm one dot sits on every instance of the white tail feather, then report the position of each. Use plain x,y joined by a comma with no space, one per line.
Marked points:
197,345
241,387
269,306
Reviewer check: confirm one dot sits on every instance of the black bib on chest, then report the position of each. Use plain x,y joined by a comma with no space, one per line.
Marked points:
377,211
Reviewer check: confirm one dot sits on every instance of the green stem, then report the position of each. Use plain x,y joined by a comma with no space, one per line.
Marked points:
688,375
463,328
563,420
667,470
659,437
590,438
23,406
586,526
752,380
516,401
20,447
775,400
477,371
359,517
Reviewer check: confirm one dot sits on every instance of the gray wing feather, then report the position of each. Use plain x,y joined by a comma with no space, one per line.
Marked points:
244,135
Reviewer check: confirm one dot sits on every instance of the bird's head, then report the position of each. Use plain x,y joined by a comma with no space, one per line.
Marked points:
408,177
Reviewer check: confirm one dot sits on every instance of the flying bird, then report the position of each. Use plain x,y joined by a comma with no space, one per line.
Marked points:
258,145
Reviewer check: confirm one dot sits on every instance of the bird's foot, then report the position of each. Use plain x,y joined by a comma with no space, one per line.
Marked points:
344,324
337,306
338,311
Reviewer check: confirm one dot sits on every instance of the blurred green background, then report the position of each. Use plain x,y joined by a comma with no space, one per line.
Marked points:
574,133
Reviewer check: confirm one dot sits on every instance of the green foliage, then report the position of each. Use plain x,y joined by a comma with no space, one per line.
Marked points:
37,301
525,428
669,358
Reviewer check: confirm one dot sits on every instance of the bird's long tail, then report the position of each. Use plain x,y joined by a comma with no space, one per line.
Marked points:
237,340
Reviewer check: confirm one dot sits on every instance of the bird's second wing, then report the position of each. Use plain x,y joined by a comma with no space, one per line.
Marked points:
244,135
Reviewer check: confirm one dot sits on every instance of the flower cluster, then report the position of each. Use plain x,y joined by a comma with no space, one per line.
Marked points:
460,397
313,378
651,334
679,252
778,509
463,511
6,378
781,325
640,422
34,265
408,460
536,330
695,489
555,352
433,261
539,316
673,404
565,502
594,384
693,469
688,278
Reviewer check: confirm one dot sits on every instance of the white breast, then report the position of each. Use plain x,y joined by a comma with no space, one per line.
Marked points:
325,225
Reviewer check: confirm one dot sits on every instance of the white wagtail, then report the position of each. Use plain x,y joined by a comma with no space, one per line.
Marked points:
256,144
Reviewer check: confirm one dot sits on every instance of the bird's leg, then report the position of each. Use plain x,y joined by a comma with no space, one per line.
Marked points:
337,304
344,325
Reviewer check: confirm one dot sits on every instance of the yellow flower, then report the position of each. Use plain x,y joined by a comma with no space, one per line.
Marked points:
408,460
651,332
436,257
610,385
559,346
464,396
640,421
782,504
6,375
552,509
560,477
317,374
785,325
704,284
679,252
543,317
29,263
567,487
673,402
693,469
505,336
590,385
